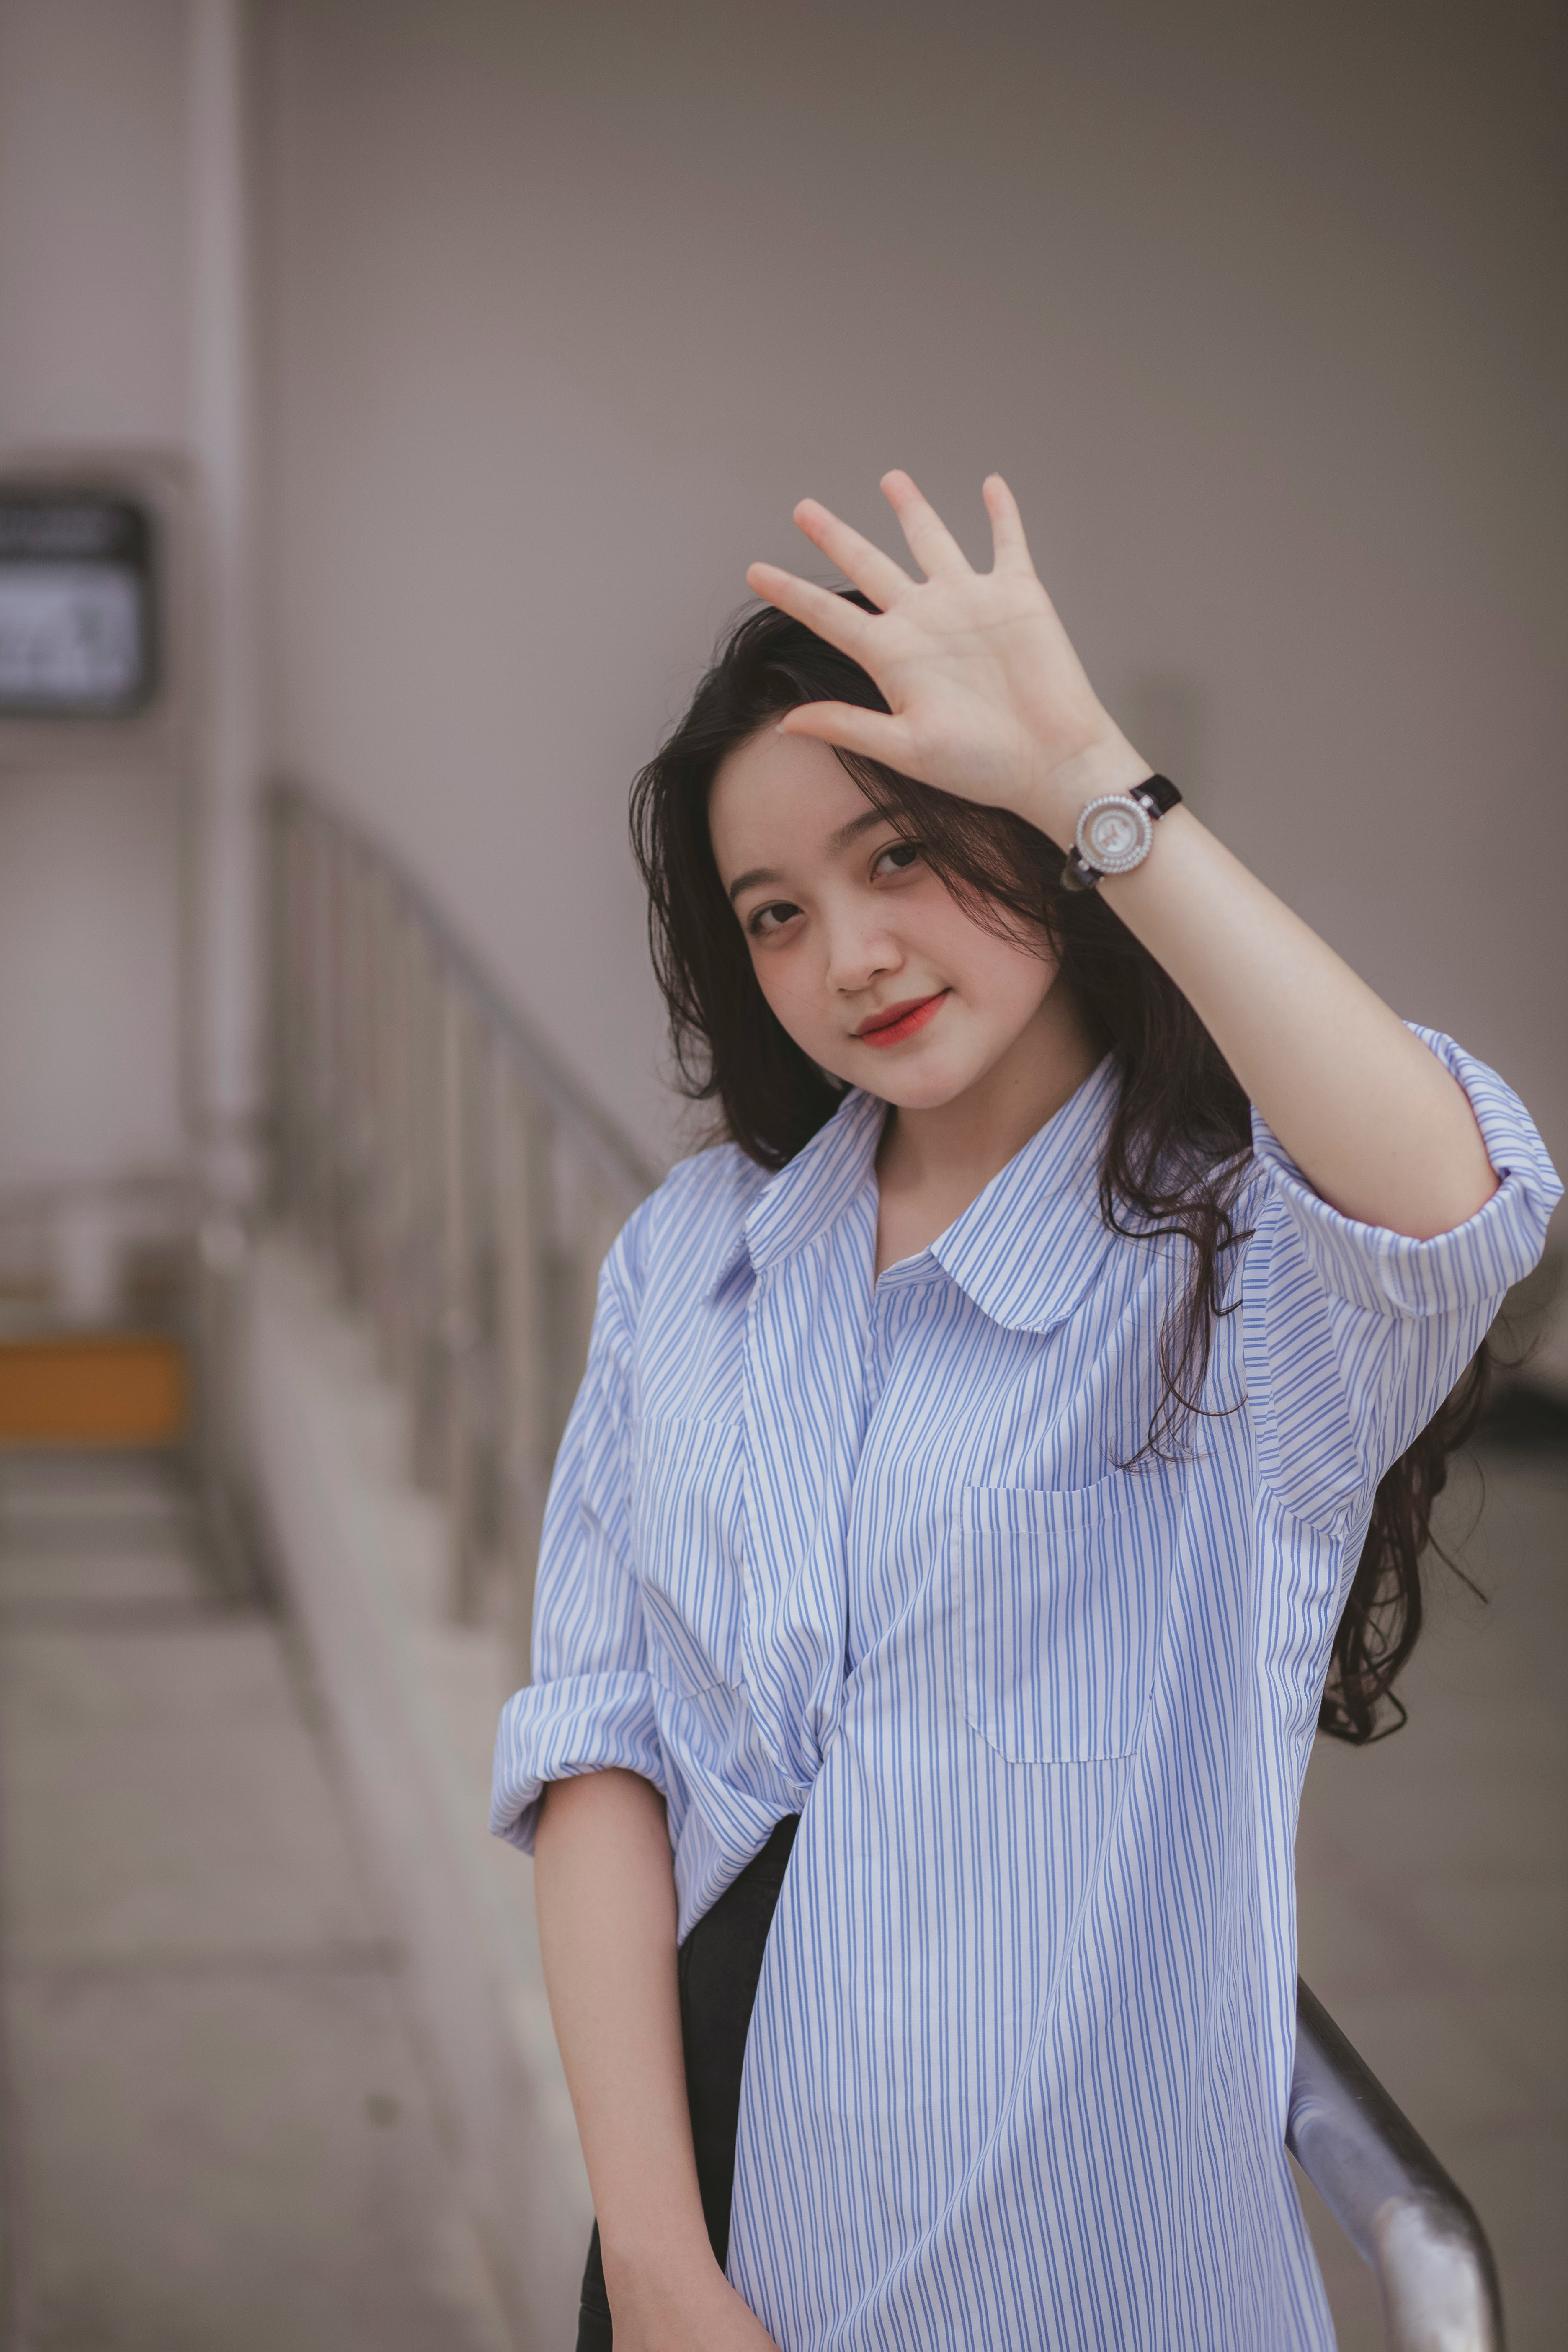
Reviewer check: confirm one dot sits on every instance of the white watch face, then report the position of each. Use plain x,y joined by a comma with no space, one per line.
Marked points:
1114,833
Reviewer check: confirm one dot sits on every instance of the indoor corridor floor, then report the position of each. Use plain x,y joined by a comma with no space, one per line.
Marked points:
217,2134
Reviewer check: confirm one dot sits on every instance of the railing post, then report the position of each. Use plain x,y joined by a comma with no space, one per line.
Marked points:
525,1255
343,1063
282,1053
463,1312
319,986
427,1073
356,1077
377,1138
400,1173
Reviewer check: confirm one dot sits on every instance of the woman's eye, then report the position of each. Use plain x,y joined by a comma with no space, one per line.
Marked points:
898,857
770,918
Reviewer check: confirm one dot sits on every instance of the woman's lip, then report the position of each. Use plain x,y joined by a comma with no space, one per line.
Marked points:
901,1021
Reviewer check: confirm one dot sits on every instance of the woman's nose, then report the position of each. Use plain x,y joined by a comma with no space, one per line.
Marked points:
860,951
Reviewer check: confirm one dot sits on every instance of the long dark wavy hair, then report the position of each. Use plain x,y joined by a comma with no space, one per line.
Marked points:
1179,1142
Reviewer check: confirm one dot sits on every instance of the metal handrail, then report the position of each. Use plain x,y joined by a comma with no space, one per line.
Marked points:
1390,2196
462,1184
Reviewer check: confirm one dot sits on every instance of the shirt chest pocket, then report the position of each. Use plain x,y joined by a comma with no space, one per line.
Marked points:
1063,1596
687,1537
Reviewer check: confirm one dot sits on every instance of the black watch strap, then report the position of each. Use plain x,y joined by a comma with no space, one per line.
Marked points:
1157,793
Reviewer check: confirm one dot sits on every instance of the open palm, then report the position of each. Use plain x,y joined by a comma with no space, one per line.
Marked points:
988,698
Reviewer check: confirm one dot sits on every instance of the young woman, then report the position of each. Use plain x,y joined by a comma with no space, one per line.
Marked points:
987,1456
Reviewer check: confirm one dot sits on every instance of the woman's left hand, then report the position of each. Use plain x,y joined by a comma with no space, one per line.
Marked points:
988,699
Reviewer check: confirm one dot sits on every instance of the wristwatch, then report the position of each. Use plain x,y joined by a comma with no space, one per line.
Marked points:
1115,833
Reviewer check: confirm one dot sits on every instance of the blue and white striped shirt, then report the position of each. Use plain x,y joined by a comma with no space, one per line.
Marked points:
862,1549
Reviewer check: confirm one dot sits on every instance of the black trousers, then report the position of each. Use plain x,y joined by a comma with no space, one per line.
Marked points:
719,1965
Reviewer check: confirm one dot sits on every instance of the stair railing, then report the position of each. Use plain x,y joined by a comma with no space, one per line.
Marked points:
465,1190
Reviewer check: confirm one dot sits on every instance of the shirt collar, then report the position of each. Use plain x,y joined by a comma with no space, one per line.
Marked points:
1028,1246
1024,1250
811,1192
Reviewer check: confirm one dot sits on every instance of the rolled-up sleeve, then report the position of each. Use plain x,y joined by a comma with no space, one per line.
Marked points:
1356,1335
590,1706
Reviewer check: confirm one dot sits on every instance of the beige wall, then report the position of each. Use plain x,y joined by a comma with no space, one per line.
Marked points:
93,224
570,304
93,283
565,306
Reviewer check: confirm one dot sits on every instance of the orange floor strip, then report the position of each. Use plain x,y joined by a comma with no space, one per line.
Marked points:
118,1389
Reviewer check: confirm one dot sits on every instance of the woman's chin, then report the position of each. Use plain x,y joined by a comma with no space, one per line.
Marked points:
918,1084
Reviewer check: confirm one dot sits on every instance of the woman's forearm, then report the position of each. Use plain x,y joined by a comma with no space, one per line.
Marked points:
1373,1118
605,1894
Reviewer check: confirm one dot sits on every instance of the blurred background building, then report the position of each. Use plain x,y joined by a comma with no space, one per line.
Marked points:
391,395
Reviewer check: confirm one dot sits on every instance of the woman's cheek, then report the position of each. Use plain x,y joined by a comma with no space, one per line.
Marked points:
790,997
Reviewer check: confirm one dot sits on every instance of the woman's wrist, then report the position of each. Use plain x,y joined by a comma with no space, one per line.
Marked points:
658,2260
657,2293
1056,800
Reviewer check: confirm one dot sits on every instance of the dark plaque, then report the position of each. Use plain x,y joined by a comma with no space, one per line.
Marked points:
76,606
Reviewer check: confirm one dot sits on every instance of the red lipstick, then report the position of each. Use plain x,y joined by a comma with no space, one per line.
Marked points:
897,1021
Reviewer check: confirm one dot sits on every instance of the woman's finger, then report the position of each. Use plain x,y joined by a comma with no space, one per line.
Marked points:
876,574
872,733
843,625
931,543
1010,549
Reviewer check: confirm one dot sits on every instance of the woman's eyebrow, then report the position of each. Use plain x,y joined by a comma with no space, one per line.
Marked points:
836,842
749,880
855,828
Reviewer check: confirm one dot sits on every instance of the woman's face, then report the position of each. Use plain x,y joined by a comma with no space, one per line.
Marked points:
869,962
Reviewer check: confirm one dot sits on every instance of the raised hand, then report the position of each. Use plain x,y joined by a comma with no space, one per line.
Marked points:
988,698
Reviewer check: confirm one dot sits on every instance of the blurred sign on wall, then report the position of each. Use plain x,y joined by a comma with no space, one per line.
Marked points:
97,662
98,717
76,638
